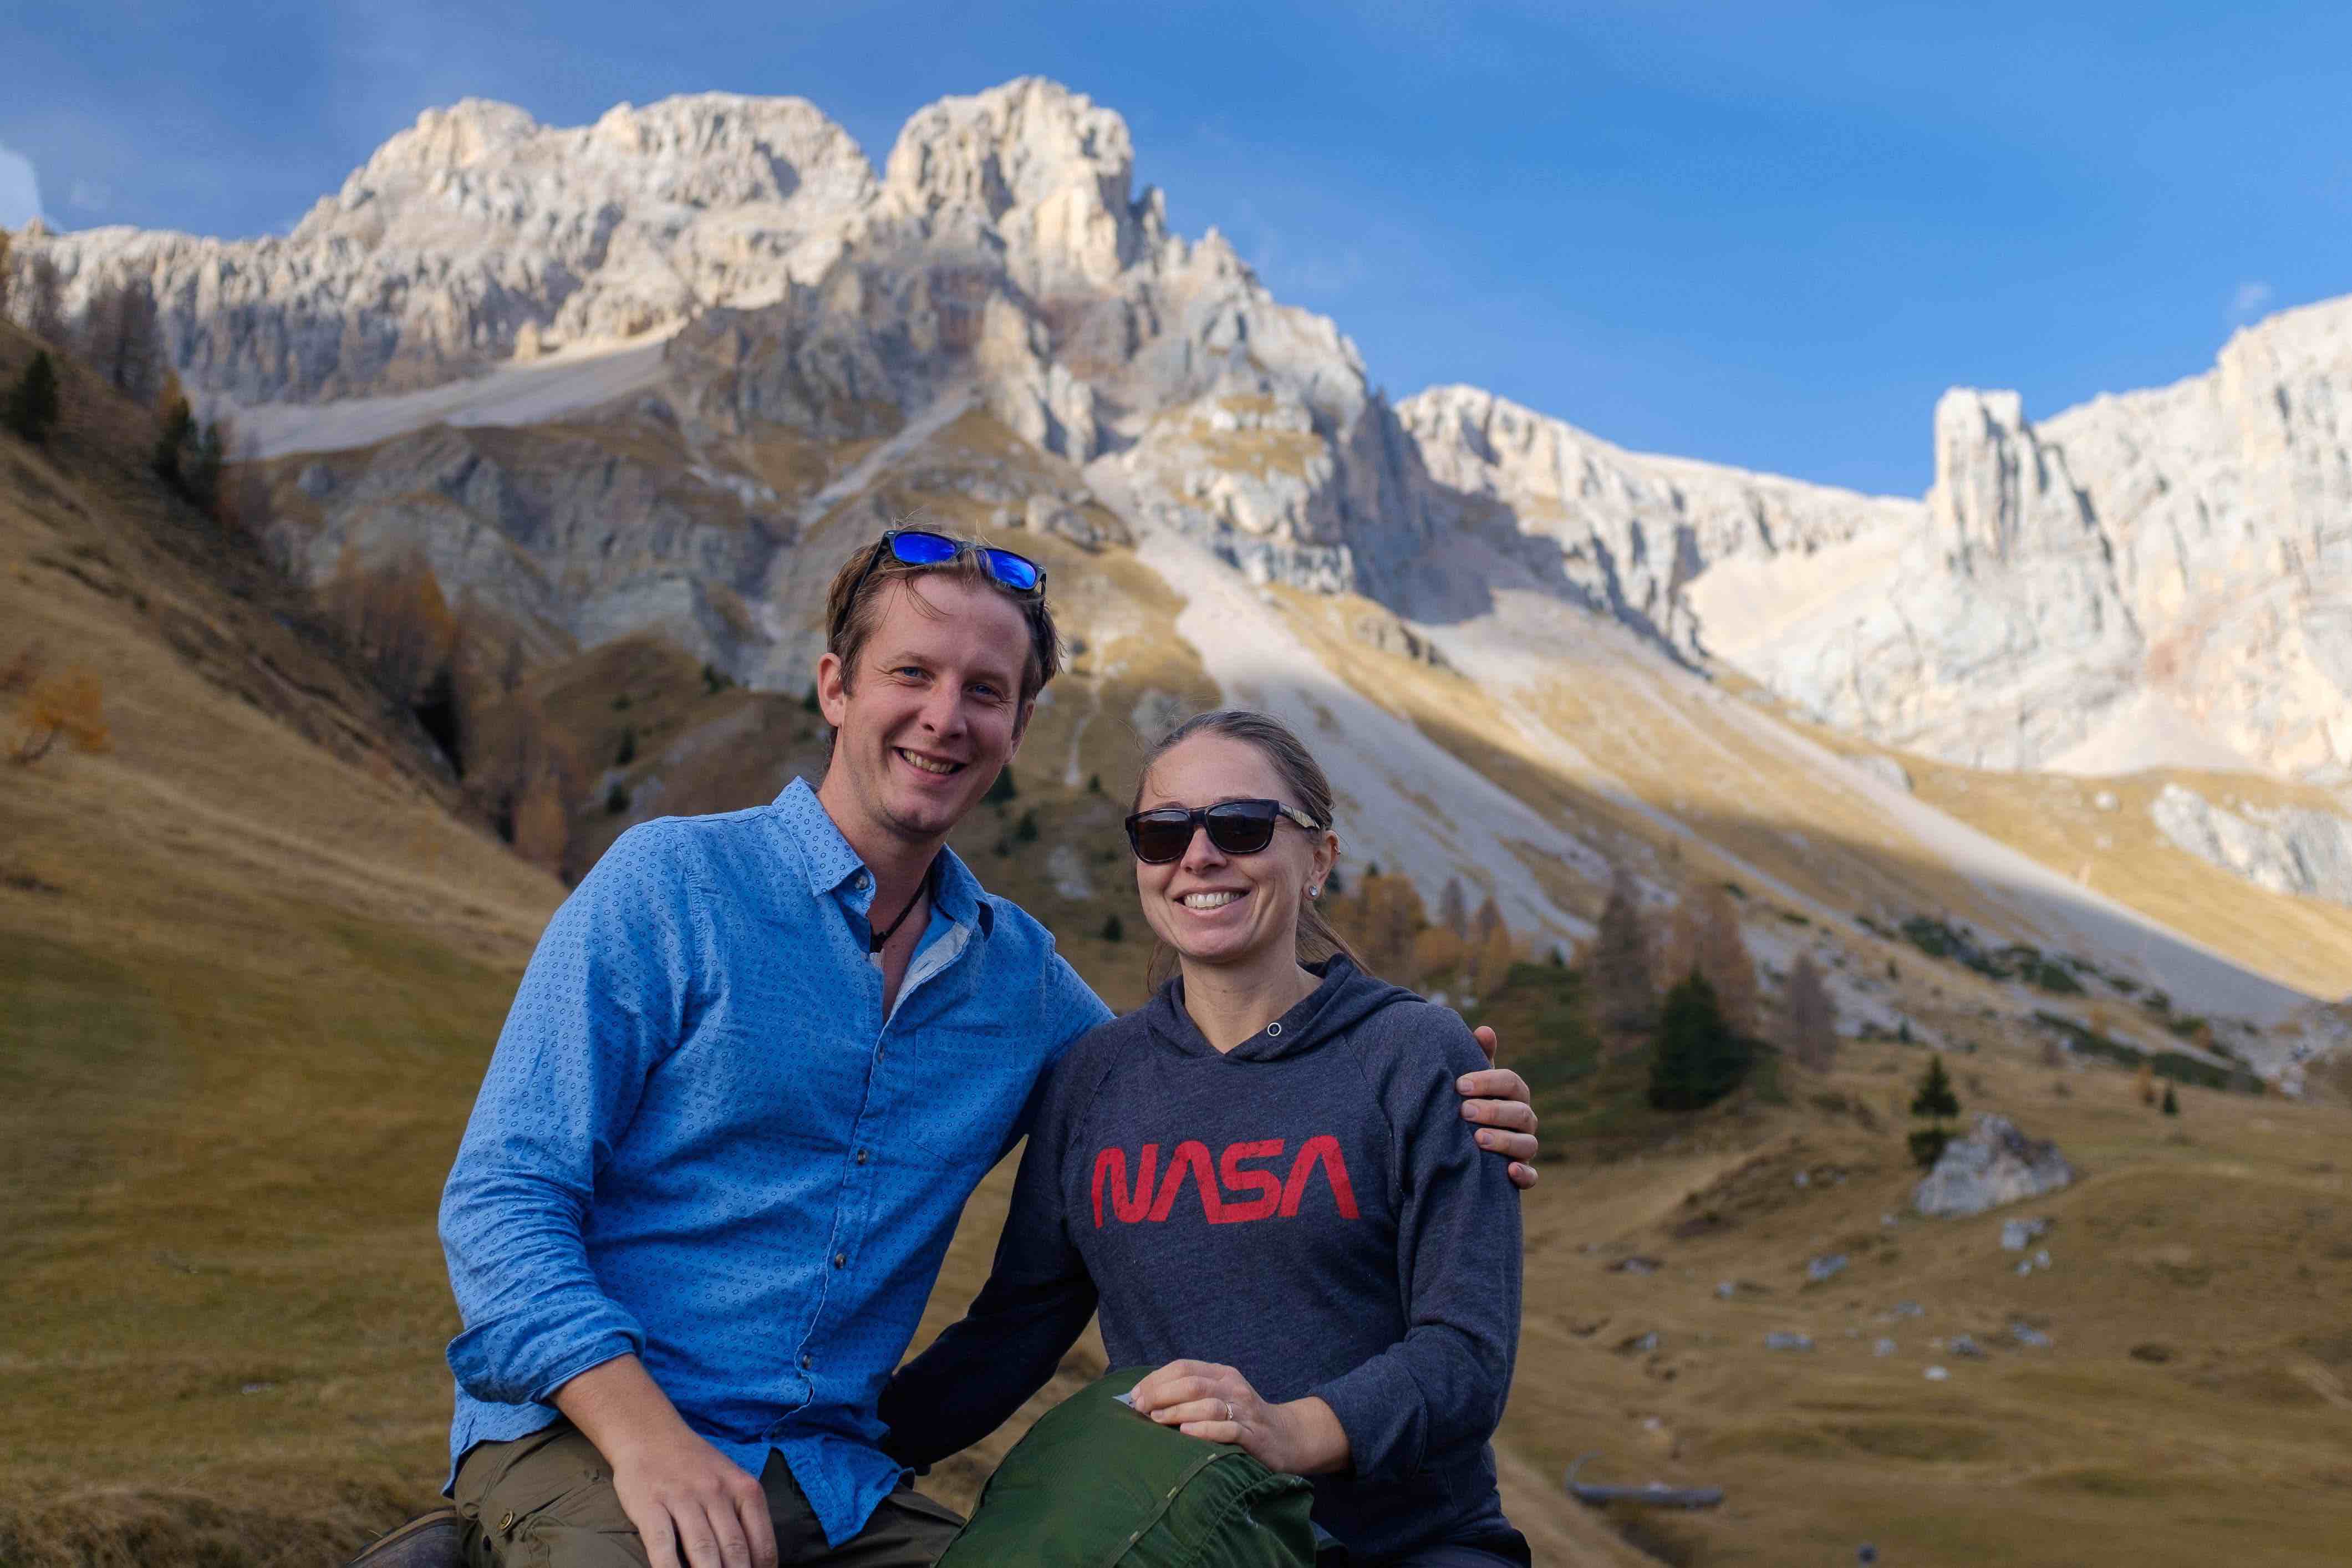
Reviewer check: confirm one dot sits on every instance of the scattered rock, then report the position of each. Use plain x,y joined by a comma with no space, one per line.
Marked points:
1889,1220
1963,1345
1936,1374
2105,800
2017,1234
2027,1334
1825,1269
1994,1164
1638,1344
1886,770
1906,1310
1884,1347
1636,1265
2041,1258
1805,1179
1777,1341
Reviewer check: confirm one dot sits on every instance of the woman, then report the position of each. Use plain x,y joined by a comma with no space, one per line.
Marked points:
1263,1177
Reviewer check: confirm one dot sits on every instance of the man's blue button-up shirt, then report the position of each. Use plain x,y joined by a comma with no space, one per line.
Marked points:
700,1140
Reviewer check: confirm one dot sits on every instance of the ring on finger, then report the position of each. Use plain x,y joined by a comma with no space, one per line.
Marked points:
1229,1410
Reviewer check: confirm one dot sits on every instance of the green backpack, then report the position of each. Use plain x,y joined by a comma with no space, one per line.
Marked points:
1095,1484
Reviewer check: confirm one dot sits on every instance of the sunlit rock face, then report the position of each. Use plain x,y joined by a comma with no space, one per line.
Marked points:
2173,560
2163,576
478,236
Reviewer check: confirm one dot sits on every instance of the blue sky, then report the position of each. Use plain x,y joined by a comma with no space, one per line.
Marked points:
1762,234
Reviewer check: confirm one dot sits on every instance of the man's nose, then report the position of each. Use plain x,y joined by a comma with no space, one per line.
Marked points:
943,711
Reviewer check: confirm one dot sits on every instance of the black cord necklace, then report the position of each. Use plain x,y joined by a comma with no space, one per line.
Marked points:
875,943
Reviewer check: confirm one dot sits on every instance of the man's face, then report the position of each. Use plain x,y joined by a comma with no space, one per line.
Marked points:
934,710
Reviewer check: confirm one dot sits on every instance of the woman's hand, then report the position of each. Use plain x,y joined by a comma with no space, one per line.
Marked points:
1202,1399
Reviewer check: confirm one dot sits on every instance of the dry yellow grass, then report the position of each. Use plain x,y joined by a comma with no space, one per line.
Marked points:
252,968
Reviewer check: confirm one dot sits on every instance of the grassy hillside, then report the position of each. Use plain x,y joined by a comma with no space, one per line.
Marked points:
253,958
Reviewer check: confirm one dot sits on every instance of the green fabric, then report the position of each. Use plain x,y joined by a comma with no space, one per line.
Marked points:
1095,1484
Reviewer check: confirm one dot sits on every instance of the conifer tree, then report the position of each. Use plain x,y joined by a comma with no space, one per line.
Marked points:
174,424
32,409
1453,909
1934,1100
1698,1058
1809,1018
2171,1100
1619,960
41,290
1723,959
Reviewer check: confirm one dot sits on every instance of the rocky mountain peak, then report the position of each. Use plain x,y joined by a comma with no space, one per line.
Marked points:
1042,165
2000,492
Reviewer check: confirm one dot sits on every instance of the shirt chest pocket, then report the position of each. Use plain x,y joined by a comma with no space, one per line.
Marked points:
956,1090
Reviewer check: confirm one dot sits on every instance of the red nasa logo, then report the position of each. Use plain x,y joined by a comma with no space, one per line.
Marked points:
1269,1195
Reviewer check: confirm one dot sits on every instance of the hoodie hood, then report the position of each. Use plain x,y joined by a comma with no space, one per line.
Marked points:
1346,998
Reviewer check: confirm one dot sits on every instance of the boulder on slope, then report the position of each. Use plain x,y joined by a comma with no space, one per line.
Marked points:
1994,1164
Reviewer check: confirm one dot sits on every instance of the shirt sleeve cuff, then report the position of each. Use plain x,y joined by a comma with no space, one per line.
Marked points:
524,1357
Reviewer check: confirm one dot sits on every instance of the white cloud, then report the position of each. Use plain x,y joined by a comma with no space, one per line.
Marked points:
20,189
90,198
2250,300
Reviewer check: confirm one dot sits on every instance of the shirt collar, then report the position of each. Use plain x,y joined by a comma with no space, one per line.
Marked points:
830,864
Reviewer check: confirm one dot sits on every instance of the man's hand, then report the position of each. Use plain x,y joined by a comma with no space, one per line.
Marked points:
1498,1101
693,1506
1217,1404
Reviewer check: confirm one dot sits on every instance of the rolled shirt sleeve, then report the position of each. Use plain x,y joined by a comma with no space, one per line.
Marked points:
608,993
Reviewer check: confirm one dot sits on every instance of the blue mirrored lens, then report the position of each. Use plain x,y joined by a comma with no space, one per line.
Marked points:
923,549
1012,571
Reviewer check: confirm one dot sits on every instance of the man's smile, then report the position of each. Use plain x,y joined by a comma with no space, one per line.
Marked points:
941,766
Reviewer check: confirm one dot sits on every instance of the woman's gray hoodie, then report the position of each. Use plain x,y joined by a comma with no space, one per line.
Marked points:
1309,1208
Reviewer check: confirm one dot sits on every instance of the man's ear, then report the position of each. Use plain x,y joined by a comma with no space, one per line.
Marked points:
832,688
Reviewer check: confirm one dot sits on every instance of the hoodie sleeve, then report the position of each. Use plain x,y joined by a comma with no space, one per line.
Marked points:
1036,1302
1440,1390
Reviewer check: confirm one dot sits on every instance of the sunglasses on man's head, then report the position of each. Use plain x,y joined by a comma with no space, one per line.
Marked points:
1236,827
921,547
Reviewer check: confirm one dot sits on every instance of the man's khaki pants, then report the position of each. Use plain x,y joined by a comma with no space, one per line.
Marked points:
547,1500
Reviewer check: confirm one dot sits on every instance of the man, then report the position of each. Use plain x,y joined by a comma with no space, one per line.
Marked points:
755,1067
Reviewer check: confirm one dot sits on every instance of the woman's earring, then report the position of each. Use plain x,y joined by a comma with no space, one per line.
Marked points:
1315,893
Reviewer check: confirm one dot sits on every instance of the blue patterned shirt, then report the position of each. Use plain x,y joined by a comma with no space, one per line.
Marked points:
700,1140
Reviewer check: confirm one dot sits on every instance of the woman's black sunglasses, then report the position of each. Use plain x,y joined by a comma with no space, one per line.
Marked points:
1236,827
921,547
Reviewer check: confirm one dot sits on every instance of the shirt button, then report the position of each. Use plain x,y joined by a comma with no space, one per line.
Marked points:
864,881
861,1156
841,1260
806,1362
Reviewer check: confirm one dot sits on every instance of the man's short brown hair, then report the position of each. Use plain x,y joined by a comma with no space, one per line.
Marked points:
855,621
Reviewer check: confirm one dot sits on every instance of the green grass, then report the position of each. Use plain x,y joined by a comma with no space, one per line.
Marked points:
224,1278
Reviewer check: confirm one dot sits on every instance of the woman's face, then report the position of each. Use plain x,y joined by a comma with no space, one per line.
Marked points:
1228,909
